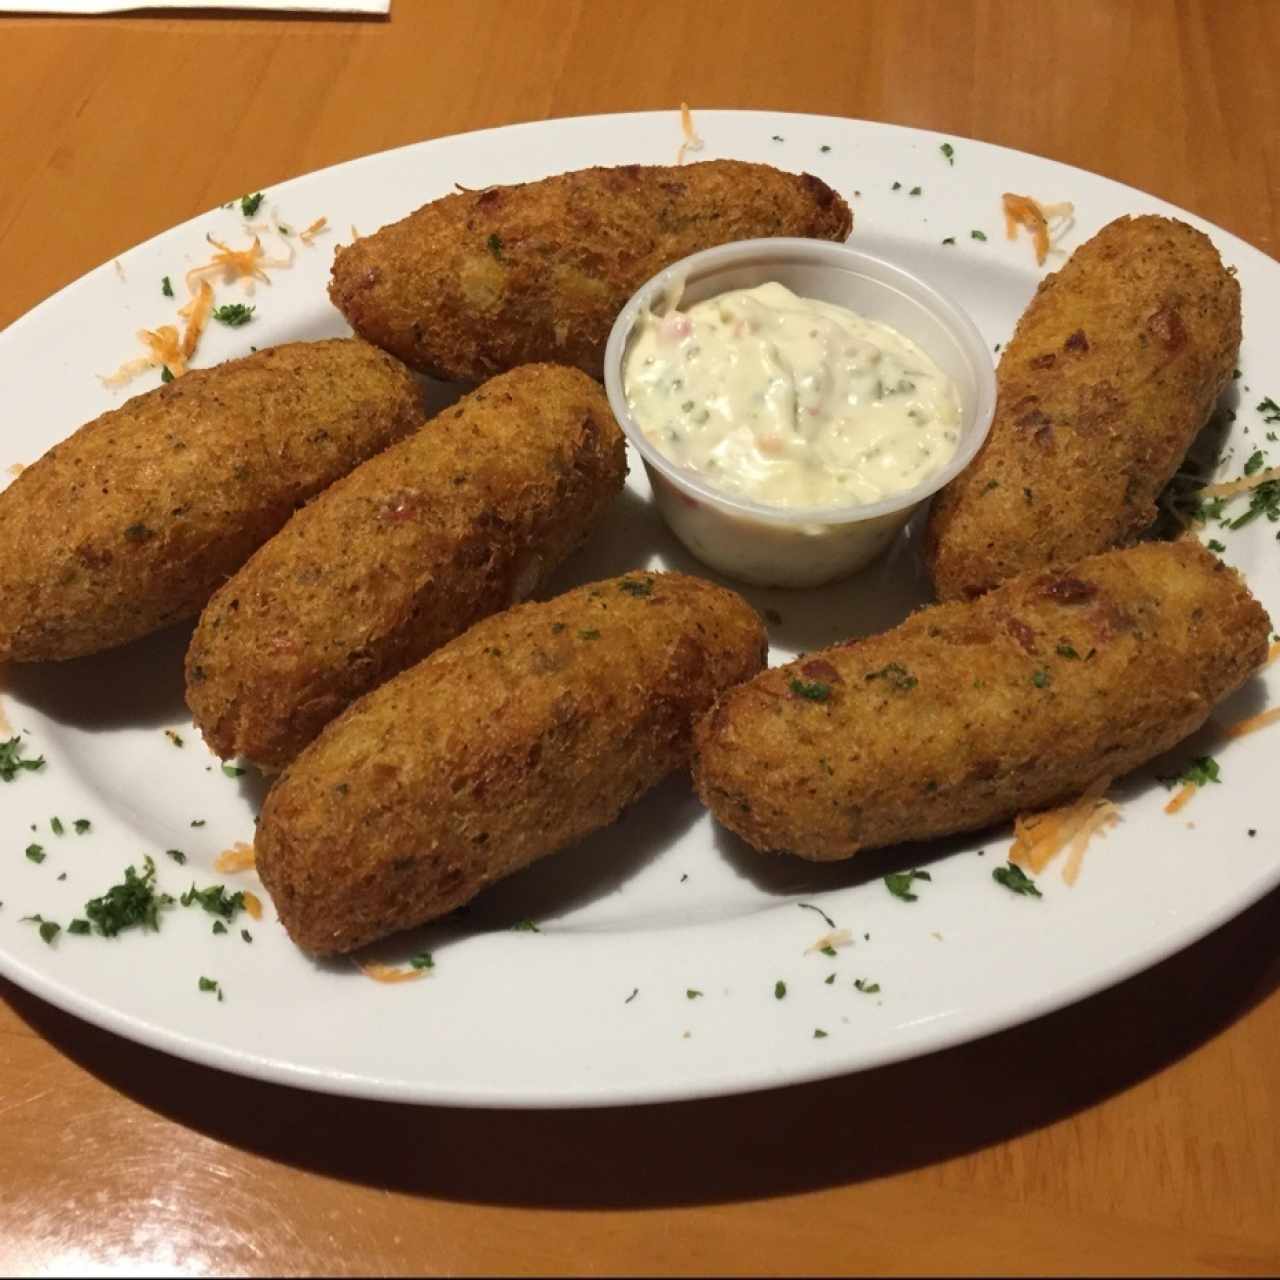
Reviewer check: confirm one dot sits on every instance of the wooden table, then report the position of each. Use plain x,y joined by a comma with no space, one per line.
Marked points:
1137,1132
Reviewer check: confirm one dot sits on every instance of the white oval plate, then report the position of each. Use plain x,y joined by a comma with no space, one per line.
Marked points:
653,976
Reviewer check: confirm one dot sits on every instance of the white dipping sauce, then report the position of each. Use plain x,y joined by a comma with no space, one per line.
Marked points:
789,401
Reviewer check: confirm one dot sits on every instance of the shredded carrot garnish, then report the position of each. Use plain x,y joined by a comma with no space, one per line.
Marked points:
387,972
196,314
240,857
310,233
164,347
252,904
691,140
1029,213
1039,837
839,938
247,265
1104,815
1260,721
1229,488
1181,797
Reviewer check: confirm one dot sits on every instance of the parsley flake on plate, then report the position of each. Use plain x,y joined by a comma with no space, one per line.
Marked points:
215,900
1015,880
867,988
779,989
899,883
11,762
82,826
422,960
233,315
166,287
134,901
949,152
249,204
55,825
525,926
210,984
808,906
35,853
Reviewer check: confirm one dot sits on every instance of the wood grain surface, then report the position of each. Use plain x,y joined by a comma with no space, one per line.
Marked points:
1138,1132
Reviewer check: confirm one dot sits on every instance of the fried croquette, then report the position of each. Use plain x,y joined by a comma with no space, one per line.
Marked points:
525,734
481,281
135,520
1111,372
464,518
971,712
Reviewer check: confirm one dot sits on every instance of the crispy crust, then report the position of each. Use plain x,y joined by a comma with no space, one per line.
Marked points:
528,732
944,724
132,522
459,521
475,283
1111,372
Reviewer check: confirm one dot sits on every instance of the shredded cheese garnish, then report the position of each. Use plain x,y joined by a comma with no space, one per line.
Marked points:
1039,837
1029,213
387,972
252,904
246,265
1181,797
691,140
837,938
1253,723
308,235
1229,488
239,857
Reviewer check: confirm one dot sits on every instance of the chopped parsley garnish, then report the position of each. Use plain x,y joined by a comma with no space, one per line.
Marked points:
48,931
233,770
234,314
808,906
899,883
819,1034
779,989
197,822
215,900
249,204
219,927
495,246
1263,501
867,988
692,993
1015,880
949,152
1200,772
977,235
246,935
1041,679
1214,545
827,950
589,634
55,825
813,690
525,926
916,191
1269,409
777,137
35,853
824,148
78,926
174,736
949,240
177,855
636,586
895,674
635,991
132,902
82,825
166,374
1254,464
829,979
166,287
422,960
11,763
897,186
208,984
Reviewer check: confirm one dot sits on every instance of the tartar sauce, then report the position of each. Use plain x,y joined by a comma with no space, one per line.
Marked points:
790,401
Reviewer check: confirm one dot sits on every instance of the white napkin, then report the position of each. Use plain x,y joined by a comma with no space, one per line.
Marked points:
86,7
